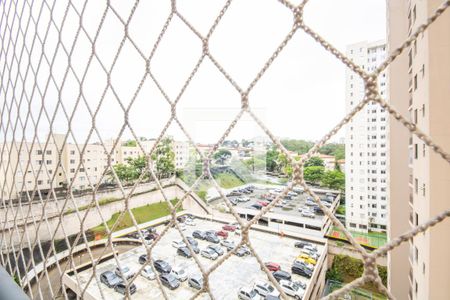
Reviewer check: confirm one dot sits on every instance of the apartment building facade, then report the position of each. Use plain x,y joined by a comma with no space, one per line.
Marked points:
33,166
366,145
420,186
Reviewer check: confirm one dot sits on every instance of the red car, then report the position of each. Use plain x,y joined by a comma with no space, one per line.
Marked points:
229,227
263,203
272,266
222,233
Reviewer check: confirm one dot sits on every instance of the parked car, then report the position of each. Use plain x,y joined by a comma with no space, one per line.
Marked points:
152,235
281,275
229,245
190,222
291,289
148,273
311,248
242,251
263,288
318,211
121,288
229,227
179,273
313,254
182,226
170,281
162,266
184,251
310,202
199,234
256,206
181,219
124,272
262,203
178,244
271,266
305,264
308,214
248,293
192,241
209,253
300,269
143,259
212,238
245,199
301,244
292,194
196,281
110,279
222,233
216,249
233,201
307,258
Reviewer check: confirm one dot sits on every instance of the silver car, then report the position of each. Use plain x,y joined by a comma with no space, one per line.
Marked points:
209,253
148,273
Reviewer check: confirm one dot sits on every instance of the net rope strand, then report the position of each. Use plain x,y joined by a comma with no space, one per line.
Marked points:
16,73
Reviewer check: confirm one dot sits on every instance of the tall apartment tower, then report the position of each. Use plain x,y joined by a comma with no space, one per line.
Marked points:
366,139
419,82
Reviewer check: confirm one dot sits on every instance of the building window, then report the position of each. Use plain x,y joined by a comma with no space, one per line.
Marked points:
416,151
415,116
48,152
39,152
423,190
72,170
72,152
72,161
39,162
49,162
423,150
423,110
39,182
415,82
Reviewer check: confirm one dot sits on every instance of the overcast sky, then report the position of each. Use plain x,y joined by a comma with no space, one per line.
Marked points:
300,96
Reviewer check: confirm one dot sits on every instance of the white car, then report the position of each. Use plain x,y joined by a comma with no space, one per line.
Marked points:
178,244
291,289
209,253
264,289
190,222
310,202
124,272
248,293
179,273
307,214
148,273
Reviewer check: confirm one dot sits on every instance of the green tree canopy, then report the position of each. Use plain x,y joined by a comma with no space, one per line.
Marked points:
315,161
164,158
314,174
334,180
130,143
221,156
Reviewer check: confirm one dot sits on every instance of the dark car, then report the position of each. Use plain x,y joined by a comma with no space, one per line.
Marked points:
199,235
216,249
143,259
181,219
121,288
301,244
184,251
281,275
152,236
151,229
318,211
300,269
170,281
110,279
162,266
256,206
212,238
192,241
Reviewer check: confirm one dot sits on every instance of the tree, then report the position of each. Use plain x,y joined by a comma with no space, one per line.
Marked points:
124,172
315,161
334,180
337,150
138,166
299,146
164,158
271,159
222,156
130,143
313,174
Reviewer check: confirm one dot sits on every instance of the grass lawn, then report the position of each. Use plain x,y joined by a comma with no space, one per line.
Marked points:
142,214
371,239
358,293
227,180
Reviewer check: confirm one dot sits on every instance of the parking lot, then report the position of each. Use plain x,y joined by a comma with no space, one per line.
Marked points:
290,207
225,281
